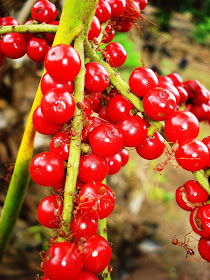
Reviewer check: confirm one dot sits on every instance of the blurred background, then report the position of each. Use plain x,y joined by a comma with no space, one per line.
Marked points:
172,36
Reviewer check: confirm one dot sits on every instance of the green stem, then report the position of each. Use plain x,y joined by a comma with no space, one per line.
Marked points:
31,28
202,179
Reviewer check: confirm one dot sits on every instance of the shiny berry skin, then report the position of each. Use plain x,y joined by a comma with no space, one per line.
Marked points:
96,77
152,147
114,164
85,275
13,45
95,100
141,80
200,220
37,49
170,88
159,103
47,83
204,248
206,141
47,169
58,105
164,79
115,54
44,11
96,254
103,11
117,7
86,106
105,140
92,122
118,108
92,168
108,34
62,261
142,4
176,79
60,185
202,112
132,11
134,131
192,155
42,125
50,37
102,114
49,211
181,125
95,29
124,156
60,144
8,21
190,194
96,200
62,63
82,226
183,95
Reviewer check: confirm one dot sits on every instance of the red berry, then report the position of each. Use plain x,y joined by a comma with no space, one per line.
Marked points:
60,144
62,63
122,25
103,11
60,185
206,141
176,79
47,169
200,220
108,34
115,53
152,147
141,80
49,211
44,11
62,261
50,37
117,7
85,275
170,88
37,49
165,79
96,77
96,200
142,4
8,21
91,124
105,140
95,100
204,248
134,131
183,95
95,29
13,45
114,164
124,156
29,36
202,112
102,114
132,11
86,107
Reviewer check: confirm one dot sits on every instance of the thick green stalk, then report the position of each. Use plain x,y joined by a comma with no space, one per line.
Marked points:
32,28
202,179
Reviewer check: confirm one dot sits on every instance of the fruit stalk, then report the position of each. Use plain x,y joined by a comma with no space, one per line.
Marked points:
32,28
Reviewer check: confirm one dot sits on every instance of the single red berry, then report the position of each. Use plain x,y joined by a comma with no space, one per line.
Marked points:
109,34
96,200
42,125
96,77
176,79
123,25
115,54
62,261
50,37
124,156
132,11
117,7
141,80
37,49
13,45
159,103
103,11
114,164
85,275
152,147
170,88
49,211
134,131
202,112
204,248
44,11
95,29
102,114
92,122
206,141
62,63
200,220
165,79
60,144
86,107
60,185
181,125
95,100
106,140
183,95
192,155
96,254
47,169
8,21
142,4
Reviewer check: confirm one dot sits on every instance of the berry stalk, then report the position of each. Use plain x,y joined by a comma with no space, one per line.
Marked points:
32,28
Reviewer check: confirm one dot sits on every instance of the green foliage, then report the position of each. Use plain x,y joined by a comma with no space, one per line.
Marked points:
201,32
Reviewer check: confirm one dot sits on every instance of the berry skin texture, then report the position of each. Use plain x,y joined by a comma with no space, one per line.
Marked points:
106,140
134,131
152,147
8,21
37,49
85,275
92,168
13,45
62,63
44,11
109,34
204,248
96,200
62,261
200,220
132,11
103,11
124,156
141,80
60,144
114,164
50,37
47,169
176,79
159,104
95,29
49,211
170,88
192,155
181,125
58,105
96,254
117,7
115,54
96,77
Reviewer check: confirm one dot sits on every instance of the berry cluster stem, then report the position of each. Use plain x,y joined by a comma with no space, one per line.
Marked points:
31,28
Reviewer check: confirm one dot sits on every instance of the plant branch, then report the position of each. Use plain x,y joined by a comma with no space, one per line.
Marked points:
202,179
31,28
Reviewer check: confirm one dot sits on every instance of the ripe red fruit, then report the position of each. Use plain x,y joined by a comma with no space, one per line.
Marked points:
132,11
44,11
62,63
95,29
47,169
141,80
103,11
82,226
85,275
37,49
192,155
86,106
92,122
114,164
152,147
96,254
50,210
165,79
176,79
8,21
62,261
204,248
106,140
60,144
96,77
181,125
206,141
170,88
142,4
183,95
58,105
42,125
95,100
134,131
102,114
13,45
96,200
50,37
200,220
108,34
159,103
122,25
117,7
115,54
124,156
